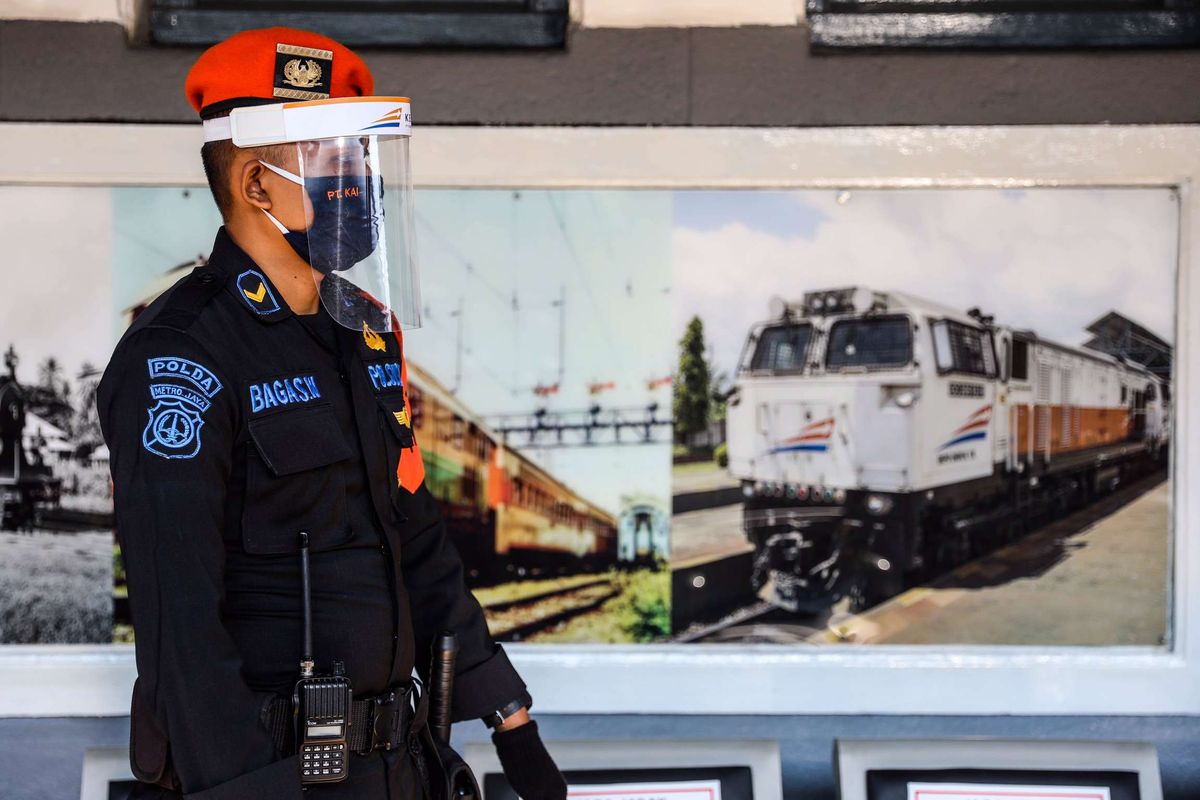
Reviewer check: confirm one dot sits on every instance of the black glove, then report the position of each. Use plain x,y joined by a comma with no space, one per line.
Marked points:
527,764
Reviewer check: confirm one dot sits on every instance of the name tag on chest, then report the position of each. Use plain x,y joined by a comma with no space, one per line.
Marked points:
291,390
385,375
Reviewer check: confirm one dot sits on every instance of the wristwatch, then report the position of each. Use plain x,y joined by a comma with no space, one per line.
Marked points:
498,716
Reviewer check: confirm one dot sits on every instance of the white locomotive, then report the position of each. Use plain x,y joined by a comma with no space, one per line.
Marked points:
881,438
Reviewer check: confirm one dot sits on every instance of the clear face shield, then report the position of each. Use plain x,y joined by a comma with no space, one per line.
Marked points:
357,198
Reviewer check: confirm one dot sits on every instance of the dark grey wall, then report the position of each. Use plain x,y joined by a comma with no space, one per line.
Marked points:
40,759
707,76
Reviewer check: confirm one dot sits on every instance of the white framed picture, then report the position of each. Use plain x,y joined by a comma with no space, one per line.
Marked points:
820,669
995,769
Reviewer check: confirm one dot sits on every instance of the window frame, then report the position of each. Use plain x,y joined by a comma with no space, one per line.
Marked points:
989,342
81,680
529,24
990,24
777,325
1013,341
857,319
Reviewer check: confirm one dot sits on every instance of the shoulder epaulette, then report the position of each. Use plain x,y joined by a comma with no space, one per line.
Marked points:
186,302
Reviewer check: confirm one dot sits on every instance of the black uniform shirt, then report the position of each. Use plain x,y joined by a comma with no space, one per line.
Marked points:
233,426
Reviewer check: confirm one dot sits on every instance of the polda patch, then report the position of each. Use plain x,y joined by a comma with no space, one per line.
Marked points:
181,391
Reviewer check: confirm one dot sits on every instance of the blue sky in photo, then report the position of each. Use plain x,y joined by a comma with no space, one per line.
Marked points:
1049,259
778,213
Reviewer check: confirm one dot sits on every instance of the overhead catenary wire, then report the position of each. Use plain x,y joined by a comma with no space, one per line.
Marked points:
172,259
507,300
496,293
601,319
479,362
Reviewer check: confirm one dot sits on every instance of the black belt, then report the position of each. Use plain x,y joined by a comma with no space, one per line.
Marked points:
383,722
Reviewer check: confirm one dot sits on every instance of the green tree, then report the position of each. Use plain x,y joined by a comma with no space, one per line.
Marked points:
719,390
692,383
86,423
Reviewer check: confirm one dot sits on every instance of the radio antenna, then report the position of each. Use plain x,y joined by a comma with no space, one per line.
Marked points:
306,656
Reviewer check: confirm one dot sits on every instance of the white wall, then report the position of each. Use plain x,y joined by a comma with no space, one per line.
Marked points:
69,10
687,13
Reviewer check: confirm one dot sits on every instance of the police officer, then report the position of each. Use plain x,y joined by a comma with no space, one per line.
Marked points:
266,395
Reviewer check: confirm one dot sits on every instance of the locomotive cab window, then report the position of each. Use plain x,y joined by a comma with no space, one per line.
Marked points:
782,348
869,343
1018,360
963,349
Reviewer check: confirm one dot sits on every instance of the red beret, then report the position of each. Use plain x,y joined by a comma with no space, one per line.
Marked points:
274,65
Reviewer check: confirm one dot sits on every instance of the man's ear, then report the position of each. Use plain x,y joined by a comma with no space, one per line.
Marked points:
249,186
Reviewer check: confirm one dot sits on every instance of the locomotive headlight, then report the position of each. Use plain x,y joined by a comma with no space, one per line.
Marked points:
839,496
879,504
902,396
747,489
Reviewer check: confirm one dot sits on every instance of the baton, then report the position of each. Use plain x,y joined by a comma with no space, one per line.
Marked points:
441,678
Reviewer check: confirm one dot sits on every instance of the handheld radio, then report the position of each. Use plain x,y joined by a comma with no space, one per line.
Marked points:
321,704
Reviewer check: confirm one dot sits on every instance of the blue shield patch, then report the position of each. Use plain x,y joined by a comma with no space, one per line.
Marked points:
173,430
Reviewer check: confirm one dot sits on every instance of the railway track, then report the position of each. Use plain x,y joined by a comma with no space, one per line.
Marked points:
757,623
513,620
63,520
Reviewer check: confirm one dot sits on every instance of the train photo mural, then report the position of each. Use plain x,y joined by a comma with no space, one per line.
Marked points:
506,515
923,416
881,439
953,425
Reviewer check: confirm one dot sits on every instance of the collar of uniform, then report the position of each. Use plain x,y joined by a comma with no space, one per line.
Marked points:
245,281
371,319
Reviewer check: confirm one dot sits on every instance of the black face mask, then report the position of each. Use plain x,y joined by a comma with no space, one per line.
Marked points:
345,226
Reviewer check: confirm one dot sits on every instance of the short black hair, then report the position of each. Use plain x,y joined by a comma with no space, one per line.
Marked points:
218,158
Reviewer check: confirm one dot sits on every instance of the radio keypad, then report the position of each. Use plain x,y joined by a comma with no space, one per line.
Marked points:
321,760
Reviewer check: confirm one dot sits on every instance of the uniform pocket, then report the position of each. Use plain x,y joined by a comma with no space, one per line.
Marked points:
294,482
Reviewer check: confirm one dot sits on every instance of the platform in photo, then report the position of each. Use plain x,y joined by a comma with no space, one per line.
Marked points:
923,416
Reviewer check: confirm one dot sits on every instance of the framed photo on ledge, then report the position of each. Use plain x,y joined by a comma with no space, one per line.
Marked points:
996,769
